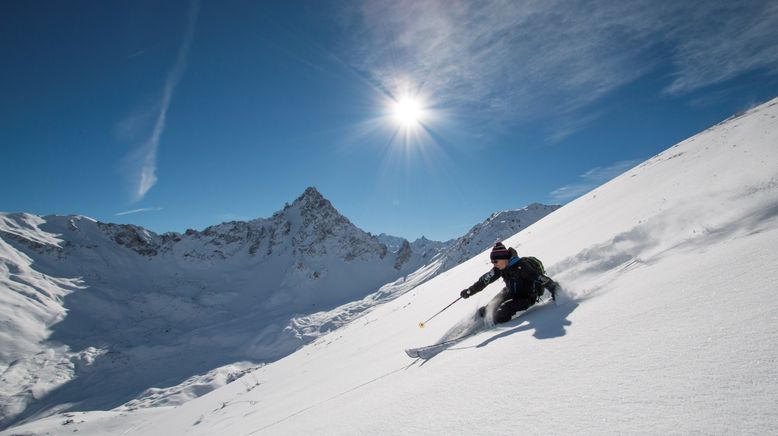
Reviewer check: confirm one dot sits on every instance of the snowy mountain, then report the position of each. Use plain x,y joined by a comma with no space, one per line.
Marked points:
82,297
667,324
499,226
121,304
421,250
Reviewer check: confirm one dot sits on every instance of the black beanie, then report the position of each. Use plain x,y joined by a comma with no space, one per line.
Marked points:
500,252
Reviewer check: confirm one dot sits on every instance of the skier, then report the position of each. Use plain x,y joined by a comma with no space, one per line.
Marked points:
524,283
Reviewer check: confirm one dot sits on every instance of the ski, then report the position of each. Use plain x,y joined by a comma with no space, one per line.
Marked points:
429,351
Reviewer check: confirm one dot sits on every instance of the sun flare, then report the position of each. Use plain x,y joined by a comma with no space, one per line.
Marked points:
408,112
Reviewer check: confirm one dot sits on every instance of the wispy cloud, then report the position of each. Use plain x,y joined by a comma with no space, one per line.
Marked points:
592,179
721,40
143,161
511,60
134,211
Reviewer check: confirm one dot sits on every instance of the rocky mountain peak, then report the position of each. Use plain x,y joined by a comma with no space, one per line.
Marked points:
312,209
311,198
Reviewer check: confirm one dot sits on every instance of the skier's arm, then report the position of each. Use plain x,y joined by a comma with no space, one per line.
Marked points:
484,281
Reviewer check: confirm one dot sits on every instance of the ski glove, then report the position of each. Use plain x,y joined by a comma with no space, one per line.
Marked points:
465,293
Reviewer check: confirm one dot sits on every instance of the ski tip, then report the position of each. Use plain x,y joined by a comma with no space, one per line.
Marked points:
412,353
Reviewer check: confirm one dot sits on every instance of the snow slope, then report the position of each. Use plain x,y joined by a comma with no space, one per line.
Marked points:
96,315
668,324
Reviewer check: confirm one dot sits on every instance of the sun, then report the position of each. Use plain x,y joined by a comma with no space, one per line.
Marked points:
408,111
410,118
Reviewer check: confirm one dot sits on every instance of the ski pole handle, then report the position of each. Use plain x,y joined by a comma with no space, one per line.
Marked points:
421,324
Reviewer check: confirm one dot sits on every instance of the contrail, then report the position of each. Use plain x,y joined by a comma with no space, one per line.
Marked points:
148,152
145,209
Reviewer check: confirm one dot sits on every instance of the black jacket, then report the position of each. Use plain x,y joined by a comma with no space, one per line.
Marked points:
519,277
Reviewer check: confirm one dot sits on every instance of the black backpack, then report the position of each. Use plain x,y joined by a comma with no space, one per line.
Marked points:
540,274
536,264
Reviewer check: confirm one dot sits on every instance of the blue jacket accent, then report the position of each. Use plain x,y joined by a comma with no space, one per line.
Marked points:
513,261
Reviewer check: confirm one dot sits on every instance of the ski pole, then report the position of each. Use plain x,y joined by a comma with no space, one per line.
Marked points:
421,324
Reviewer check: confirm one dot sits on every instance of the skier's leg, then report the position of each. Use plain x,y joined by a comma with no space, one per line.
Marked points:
493,304
509,307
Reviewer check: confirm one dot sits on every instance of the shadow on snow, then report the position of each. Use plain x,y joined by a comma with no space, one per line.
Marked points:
547,321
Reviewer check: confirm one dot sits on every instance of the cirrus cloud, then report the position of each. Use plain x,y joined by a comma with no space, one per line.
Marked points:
530,60
142,162
592,179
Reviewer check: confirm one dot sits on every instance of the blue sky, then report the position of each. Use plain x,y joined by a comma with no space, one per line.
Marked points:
178,114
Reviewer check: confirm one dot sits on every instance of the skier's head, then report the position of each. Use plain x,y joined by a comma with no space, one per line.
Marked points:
500,255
